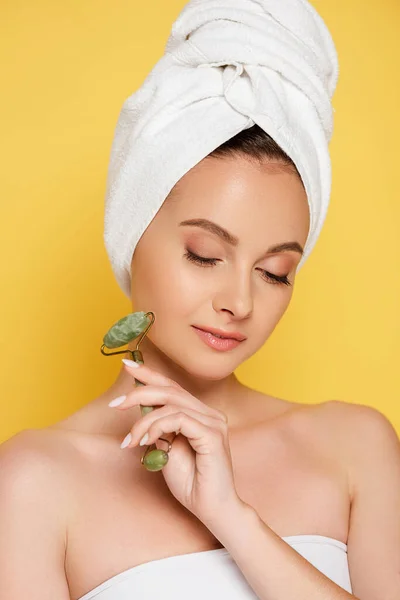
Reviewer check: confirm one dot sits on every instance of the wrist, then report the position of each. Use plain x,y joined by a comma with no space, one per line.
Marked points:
231,521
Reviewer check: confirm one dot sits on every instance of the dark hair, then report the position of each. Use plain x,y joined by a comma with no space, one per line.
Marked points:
255,143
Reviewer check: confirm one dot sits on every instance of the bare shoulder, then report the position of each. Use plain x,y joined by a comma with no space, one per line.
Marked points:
35,448
34,463
357,423
349,429
360,435
339,415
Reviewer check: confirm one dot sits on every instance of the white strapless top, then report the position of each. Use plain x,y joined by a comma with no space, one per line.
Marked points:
213,574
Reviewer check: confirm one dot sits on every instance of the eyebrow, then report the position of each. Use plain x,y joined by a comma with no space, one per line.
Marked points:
232,240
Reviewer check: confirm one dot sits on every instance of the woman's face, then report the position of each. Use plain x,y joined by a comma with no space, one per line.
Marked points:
261,206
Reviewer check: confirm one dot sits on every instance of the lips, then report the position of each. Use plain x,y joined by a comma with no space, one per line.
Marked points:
233,335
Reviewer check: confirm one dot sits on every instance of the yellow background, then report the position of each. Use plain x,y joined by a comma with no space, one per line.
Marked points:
67,68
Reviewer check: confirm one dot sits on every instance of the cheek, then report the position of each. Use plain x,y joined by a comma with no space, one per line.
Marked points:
166,284
270,310
182,288
279,303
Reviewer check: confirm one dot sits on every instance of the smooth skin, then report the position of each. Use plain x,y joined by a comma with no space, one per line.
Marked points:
71,500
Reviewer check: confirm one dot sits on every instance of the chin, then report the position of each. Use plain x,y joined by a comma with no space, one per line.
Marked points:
208,369
190,355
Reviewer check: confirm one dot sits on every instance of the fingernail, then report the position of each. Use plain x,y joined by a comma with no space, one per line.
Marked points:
130,363
117,401
144,439
127,441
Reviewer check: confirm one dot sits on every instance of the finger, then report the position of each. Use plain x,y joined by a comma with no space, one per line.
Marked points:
169,419
150,376
152,395
144,374
149,395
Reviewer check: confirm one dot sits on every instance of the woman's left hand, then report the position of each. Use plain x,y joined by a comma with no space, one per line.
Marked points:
199,471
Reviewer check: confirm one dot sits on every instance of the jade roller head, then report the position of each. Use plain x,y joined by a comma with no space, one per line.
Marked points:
122,332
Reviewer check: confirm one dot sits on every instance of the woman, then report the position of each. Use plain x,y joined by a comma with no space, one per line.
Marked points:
261,497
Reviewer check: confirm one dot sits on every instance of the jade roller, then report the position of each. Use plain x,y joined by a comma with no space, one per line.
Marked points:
123,331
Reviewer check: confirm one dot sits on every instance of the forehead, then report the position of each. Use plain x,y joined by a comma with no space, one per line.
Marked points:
237,192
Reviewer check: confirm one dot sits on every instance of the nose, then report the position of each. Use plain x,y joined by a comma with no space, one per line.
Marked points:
235,296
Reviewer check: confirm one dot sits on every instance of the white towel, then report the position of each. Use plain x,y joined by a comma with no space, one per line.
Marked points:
228,64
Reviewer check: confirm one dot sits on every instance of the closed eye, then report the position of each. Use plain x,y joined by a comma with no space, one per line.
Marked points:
270,277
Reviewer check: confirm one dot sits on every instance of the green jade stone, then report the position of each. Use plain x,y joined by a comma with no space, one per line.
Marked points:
126,329
155,460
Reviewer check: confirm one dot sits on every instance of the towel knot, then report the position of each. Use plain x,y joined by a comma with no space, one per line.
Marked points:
260,38
238,90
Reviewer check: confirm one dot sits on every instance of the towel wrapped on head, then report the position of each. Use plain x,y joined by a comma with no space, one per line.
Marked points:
228,64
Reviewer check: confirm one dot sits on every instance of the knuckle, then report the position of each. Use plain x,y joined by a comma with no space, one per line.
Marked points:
174,384
167,382
223,417
172,389
223,428
218,435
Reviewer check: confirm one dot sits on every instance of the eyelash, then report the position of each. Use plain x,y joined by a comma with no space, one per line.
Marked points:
275,279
